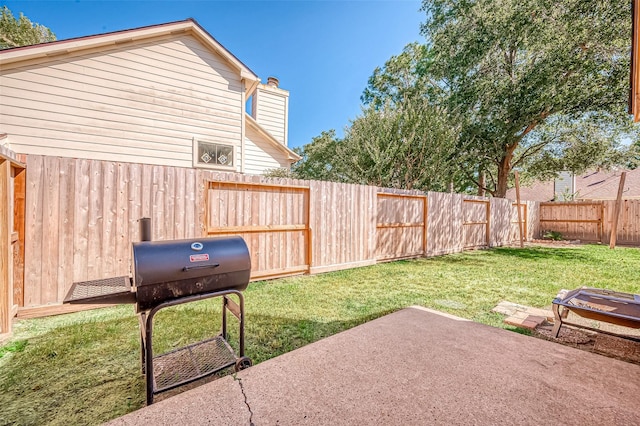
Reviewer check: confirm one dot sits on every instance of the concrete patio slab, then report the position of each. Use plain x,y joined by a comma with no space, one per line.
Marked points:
415,366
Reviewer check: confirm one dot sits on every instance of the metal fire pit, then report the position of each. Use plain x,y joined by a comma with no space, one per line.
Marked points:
608,306
170,273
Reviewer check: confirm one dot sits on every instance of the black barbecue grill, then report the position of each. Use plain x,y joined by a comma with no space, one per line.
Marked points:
169,273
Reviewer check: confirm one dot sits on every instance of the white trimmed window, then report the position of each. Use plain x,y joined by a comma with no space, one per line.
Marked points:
213,154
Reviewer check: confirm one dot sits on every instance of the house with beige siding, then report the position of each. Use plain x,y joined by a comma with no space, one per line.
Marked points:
167,94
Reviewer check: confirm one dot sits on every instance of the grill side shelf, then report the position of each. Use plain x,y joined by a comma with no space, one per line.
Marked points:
104,291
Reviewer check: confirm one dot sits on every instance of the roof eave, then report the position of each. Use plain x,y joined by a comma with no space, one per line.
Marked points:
291,155
64,47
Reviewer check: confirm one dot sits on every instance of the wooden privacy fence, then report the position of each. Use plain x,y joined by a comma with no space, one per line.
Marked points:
81,217
591,220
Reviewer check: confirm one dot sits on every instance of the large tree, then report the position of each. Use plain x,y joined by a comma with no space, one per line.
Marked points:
403,77
593,141
21,31
634,155
409,144
513,66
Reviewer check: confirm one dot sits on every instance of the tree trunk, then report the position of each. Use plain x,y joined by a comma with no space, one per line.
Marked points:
481,183
504,168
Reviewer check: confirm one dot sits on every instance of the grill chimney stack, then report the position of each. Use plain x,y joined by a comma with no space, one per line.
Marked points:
145,228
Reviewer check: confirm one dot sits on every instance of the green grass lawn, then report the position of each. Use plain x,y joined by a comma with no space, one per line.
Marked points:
83,368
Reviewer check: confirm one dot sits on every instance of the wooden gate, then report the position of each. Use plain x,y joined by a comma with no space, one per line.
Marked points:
11,237
401,227
272,219
574,220
476,214
628,231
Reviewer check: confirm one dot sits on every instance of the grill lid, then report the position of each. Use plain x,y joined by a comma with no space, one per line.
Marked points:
184,260
168,270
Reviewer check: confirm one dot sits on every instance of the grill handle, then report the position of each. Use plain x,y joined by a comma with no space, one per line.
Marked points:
191,268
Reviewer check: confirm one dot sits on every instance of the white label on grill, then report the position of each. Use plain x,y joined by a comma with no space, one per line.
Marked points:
198,257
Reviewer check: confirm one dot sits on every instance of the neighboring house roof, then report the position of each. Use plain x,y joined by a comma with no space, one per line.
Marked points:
251,122
593,185
537,191
47,50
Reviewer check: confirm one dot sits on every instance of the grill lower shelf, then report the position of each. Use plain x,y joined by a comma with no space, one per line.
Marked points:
191,362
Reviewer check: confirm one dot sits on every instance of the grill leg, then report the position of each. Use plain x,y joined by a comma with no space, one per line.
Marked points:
141,320
241,300
148,355
223,332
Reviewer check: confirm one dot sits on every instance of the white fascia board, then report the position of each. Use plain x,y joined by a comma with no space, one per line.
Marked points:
292,156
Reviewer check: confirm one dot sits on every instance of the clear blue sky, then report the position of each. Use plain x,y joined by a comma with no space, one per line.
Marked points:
323,52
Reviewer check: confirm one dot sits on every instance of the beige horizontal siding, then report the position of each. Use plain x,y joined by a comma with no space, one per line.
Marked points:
260,155
270,111
124,122
56,91
139,103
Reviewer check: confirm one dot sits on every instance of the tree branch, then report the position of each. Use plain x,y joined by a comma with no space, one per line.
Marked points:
533,149
9,41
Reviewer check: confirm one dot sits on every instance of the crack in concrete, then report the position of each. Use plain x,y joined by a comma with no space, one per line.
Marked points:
246,402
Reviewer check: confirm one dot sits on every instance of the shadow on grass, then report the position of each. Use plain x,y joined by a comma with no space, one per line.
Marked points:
540,253
463,259
470,258
90,373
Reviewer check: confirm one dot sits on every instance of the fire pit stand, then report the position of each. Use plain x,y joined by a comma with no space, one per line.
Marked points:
195,361
613,307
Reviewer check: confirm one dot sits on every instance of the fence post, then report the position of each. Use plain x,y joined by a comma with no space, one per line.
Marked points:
6,289
518,207
616,213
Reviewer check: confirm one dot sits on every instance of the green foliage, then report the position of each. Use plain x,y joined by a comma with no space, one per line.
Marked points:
278,173
319,161
402,77
514,65
407,144
576,145
21,32
634,155
552,235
